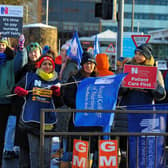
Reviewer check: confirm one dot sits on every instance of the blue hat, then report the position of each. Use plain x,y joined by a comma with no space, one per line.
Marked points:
46,48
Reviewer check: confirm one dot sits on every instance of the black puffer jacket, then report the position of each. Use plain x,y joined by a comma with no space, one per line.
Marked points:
70,90
132,96
70,100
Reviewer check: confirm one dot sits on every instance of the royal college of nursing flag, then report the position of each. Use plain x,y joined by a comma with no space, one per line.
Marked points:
97,93
96,49
75,50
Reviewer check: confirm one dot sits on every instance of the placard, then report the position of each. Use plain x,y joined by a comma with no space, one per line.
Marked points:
140,76
80,154
11,18
108,154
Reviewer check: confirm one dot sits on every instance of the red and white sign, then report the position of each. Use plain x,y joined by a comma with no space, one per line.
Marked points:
140,39
140,76
108,154
80,154
110,48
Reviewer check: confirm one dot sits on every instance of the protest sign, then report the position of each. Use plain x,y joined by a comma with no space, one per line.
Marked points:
80,154
108,154
140,76
11,18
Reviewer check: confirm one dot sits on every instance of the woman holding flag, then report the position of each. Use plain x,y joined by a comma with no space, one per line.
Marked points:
88,69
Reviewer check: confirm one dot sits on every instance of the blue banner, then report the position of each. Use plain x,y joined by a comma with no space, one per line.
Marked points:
96,48
97,93
75,50
147,151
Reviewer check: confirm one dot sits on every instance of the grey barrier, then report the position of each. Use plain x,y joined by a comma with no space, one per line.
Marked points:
44,133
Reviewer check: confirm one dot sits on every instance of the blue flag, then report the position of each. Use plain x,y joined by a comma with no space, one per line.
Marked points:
75,50
147,151
97,93
96,48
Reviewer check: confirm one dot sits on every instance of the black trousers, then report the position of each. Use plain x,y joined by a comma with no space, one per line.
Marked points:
5,110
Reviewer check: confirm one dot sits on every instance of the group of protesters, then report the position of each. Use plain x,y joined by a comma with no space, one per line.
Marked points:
32,78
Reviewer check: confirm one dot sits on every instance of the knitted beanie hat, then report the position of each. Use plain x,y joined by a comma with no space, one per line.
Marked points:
87,57
45,57
145,49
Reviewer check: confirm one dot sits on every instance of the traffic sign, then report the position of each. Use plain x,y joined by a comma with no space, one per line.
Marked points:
140,39
110,48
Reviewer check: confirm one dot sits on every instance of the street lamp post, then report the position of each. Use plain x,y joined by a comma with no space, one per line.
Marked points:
120,28
132,21
47,4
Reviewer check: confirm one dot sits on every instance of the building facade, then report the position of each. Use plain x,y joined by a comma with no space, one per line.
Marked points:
148,15
70,15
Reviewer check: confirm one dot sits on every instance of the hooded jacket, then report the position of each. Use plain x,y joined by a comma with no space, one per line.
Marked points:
103,65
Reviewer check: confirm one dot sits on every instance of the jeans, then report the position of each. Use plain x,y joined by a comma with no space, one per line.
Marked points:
10,133
34,150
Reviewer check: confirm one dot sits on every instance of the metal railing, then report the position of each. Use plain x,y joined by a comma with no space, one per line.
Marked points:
44,133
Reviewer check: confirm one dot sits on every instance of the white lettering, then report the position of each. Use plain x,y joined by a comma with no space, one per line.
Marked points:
108,146
37,83
133,83
80,147
140,79
134,70
77,162
111,162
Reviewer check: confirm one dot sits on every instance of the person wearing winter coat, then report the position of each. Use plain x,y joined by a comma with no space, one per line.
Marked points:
138,96
13,131
88,69
40,91
143,56
10,63
68,67
102,64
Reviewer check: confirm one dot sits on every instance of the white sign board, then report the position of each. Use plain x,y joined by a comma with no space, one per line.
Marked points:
161,64
11,18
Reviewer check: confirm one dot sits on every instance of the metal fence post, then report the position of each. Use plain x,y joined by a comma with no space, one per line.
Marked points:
42,138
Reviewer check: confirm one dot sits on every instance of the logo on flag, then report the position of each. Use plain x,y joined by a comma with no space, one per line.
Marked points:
75,50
